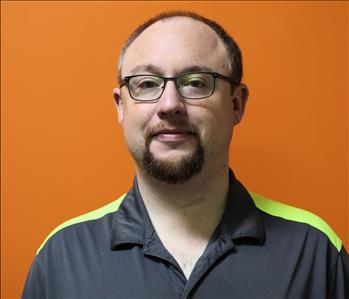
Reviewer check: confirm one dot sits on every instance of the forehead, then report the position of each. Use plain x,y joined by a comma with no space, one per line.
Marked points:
174,44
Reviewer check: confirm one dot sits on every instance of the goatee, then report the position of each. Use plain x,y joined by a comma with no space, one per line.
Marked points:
176,171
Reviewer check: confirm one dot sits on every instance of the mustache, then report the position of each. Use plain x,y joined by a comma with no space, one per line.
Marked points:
160,127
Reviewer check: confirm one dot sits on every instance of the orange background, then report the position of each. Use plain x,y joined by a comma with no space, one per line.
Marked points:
63,152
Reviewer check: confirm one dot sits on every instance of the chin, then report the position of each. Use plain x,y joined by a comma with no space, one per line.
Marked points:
174,168
172,157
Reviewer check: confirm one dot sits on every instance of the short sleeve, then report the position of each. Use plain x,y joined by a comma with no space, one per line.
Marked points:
339,277
34,287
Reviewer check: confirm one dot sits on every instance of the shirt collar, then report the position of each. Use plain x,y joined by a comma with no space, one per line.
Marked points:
240,220
131,220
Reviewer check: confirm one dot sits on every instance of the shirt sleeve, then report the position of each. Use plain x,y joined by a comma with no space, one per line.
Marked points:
339,280
34,287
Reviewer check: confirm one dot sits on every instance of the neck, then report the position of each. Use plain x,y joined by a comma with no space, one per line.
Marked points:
185,216
195,206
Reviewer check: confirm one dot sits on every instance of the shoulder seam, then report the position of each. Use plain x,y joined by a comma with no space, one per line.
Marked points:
92,215
296,214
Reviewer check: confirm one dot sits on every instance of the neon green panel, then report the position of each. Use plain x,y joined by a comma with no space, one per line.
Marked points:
290,213
267,205
95,214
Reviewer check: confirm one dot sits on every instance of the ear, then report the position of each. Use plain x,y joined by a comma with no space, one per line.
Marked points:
240,96
119,105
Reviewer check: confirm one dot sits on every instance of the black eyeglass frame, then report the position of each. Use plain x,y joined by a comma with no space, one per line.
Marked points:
166,79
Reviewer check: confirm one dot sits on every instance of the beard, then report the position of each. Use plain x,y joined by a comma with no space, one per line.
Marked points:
176,171
172,171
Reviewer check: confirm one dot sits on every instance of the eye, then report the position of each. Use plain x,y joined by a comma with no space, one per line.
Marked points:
194,81
147,83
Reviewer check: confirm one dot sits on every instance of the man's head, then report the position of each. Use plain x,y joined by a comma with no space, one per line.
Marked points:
186,123
233,51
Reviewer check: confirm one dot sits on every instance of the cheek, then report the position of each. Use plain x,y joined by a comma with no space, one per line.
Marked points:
132,130
216,127
218,131
217,114
136,121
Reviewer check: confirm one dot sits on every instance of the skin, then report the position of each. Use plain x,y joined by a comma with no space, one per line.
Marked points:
186,212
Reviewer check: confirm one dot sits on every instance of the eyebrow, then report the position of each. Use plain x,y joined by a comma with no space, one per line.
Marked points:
195,68
150,68
146,68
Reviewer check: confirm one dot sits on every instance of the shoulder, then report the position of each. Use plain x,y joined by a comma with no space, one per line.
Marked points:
295,215
82,222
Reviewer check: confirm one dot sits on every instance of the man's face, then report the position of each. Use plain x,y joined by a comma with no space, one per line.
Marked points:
174,138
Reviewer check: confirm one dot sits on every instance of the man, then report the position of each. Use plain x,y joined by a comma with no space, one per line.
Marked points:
187,228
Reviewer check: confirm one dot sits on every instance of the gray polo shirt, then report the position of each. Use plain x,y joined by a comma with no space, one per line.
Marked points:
261,249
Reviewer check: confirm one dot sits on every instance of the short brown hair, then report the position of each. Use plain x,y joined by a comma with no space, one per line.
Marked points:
235,57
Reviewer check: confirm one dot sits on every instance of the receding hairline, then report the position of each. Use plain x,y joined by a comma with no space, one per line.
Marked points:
231,47
172,18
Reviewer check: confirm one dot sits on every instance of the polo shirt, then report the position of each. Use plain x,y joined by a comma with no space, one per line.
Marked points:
260,249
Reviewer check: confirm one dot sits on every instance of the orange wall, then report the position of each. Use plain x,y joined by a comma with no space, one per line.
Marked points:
63,152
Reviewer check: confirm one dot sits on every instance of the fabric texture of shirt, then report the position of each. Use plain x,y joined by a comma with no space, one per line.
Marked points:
261,249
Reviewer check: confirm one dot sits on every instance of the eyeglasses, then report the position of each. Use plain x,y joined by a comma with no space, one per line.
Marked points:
149,88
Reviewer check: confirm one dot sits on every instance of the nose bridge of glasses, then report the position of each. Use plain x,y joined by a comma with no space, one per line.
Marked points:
170,102
174,81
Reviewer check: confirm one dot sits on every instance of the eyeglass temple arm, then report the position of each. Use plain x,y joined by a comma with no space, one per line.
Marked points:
229,79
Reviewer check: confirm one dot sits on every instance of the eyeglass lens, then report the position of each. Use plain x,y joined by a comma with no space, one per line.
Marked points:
191,86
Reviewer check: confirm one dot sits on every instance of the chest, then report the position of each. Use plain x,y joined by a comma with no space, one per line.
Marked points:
186,253
241,271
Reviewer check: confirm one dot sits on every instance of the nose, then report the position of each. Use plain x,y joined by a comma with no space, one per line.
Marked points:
171,104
